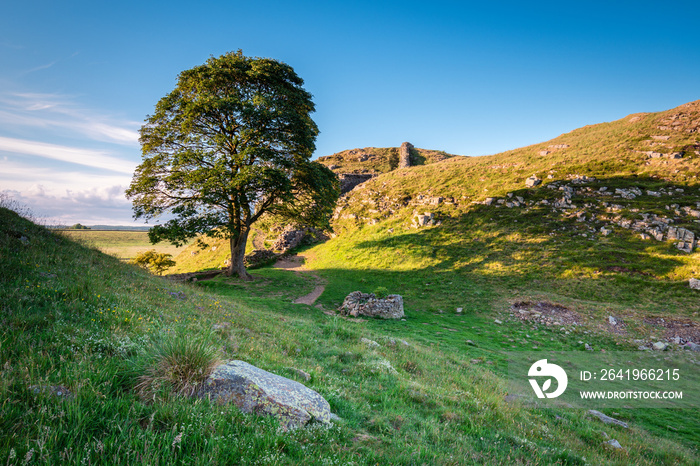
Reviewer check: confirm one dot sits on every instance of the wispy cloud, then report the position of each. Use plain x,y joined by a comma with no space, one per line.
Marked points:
36,110
85,157
19,175
40,67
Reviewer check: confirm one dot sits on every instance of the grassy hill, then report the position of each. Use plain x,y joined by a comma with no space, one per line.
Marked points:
433,390
75,323
546,239
375,160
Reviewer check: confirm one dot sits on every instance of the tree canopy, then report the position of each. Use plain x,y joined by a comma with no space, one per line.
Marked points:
231,142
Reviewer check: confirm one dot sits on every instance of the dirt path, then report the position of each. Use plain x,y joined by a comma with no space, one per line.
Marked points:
296,264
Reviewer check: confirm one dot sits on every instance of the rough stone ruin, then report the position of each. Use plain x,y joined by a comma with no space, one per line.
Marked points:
367,304
349,180
405,155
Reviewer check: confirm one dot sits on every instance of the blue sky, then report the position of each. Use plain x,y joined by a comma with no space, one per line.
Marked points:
471,78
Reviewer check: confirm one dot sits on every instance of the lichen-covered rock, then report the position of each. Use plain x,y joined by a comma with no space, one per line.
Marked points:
694,284
254,390
367,304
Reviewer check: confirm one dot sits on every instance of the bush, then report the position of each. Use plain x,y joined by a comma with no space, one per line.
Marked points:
157,262
381,292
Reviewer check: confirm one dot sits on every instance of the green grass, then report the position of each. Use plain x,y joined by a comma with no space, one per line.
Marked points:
122,244
76,318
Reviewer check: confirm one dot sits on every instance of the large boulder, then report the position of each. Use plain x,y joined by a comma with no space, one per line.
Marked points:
367,304
254,390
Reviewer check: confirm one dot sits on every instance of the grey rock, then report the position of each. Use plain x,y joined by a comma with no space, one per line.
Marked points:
370,343
293,236
532,181
659,346
612,320
692,346
59,391
302,374
694,284
367,304
607,419
613,443
254,390
588,347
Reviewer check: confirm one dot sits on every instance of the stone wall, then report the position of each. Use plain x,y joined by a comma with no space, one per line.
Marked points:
349,180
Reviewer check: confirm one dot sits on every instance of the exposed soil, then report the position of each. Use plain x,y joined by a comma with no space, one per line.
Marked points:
296,264
545,313
685,329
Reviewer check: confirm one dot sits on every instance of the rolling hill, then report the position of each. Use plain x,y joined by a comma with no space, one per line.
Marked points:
583,244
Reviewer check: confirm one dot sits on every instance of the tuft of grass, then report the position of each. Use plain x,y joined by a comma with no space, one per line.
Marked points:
176,364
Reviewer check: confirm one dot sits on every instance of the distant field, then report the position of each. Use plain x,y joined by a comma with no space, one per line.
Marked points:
119,243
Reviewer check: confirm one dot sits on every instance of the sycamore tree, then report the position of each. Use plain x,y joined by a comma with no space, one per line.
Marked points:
232,142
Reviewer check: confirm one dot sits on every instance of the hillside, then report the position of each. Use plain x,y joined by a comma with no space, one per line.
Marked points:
76,323
608,209
376,160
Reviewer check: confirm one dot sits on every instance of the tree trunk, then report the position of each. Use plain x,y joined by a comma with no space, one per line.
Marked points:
238,255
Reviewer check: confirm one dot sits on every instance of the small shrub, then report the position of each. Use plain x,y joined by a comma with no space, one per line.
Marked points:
178,364
381,292
157,262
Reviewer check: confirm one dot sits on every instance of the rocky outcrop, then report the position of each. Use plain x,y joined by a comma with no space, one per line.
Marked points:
367,304
293,236
257,391
405,155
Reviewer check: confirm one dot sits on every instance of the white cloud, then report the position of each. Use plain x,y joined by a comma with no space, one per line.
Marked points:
64,161
105,205
20,176
86,157
34,110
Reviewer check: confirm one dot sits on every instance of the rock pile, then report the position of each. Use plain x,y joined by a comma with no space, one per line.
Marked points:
292,236
367,304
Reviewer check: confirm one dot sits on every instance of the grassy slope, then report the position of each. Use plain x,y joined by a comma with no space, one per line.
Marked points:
378,159
533,249
485,258
123,244
75,317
